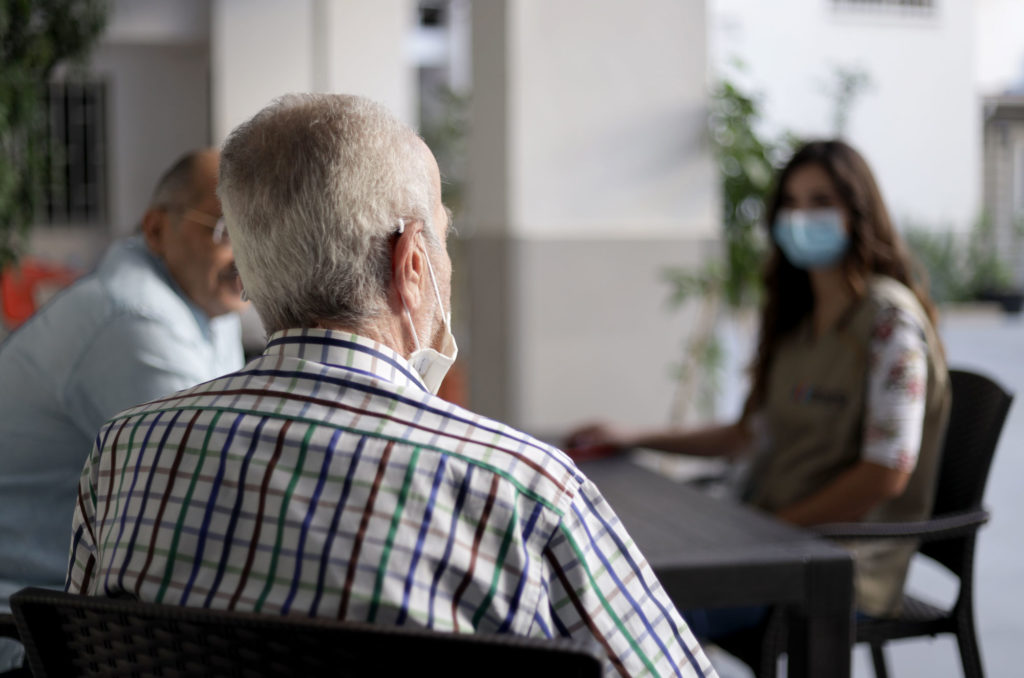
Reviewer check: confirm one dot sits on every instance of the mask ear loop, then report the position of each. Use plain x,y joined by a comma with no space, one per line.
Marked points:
437,293
408,316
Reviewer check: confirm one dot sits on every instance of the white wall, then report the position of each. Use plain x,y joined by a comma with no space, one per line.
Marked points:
999,36
366,51
259,49
262,49
608,111
918,124
158,22
157,109
154,57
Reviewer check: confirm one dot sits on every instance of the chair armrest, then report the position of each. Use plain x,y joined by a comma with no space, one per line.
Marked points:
7,627
941,527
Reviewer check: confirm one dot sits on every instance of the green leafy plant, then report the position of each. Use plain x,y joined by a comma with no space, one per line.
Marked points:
987,270
940,263
747,162
849,82
446,134
958,271
35,36
445,129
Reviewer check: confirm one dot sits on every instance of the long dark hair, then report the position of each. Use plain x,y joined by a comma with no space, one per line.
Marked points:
875,249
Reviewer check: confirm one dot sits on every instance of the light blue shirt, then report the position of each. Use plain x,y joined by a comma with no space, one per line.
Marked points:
122,336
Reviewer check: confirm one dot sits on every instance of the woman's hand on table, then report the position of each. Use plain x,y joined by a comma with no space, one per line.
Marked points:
602,440
595,441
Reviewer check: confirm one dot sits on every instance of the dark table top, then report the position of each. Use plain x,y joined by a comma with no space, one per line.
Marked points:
711,552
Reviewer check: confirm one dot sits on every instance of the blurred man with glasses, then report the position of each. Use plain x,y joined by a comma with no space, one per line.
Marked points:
158,315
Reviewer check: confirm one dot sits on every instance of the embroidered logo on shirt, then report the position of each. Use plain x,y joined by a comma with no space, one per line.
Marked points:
806,393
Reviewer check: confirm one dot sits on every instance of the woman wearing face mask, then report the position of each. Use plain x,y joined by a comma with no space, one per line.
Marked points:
850,393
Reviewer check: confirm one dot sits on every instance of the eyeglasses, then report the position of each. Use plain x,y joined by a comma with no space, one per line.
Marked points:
216,224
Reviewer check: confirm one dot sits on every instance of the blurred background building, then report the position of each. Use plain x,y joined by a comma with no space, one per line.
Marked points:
573,137
585,168
928,90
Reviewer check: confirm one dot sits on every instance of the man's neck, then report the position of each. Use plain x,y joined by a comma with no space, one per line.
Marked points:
386,331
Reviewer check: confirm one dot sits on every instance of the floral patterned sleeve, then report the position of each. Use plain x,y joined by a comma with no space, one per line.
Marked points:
897,383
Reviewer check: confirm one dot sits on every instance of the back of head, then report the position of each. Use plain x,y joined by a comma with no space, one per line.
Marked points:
178,185
312,188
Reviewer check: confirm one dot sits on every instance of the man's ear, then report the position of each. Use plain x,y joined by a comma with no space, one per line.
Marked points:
408,267
154,223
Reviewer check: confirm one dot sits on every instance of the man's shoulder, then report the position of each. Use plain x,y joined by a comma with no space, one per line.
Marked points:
135,284
484,441
67,322
333,399
887,293
531,465
890,303
125,286
884,299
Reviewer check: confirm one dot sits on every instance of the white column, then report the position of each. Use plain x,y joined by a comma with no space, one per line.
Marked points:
261,49
589,173
365,43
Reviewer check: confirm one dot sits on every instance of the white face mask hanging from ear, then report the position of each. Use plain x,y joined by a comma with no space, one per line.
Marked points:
430,364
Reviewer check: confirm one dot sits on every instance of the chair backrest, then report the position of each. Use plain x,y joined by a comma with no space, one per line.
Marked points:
976,420
70,635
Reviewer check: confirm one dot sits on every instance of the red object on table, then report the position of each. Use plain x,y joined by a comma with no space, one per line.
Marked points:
580,453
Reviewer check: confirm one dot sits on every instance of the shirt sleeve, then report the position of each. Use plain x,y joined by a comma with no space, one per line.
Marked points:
599,586
896,388
134,359
82,553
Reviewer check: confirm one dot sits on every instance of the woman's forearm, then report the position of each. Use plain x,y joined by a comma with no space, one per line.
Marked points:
849,497
728,440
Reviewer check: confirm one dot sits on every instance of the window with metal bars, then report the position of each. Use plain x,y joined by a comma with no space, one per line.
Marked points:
926,6
76,186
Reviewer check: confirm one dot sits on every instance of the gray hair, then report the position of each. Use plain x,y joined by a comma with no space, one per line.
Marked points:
177,185
312,189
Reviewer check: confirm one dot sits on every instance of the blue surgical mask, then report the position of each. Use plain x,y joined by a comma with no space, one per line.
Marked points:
811,238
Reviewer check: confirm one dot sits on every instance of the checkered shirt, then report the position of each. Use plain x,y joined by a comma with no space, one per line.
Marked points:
323,480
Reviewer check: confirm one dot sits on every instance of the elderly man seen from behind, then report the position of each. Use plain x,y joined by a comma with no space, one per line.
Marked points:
326,478
156,316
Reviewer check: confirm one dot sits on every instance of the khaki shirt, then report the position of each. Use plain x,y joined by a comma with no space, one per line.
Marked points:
814,410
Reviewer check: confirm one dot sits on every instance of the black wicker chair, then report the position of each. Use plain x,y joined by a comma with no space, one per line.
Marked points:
9,630
69,635
979,409
7,626
976,421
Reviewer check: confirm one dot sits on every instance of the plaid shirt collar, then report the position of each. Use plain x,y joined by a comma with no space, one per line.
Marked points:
345,351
